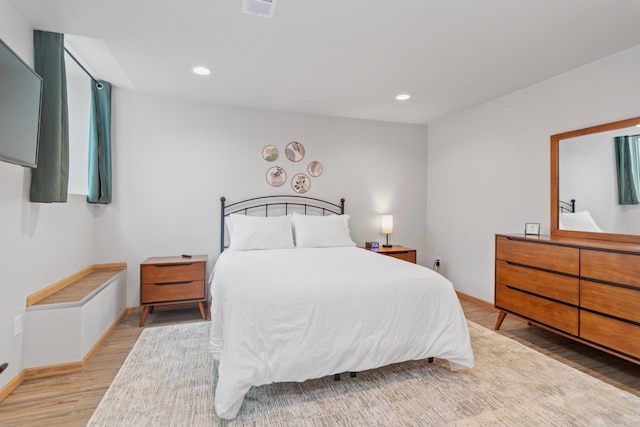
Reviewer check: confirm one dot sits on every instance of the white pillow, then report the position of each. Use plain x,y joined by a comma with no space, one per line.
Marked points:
578,221
322,231
248,233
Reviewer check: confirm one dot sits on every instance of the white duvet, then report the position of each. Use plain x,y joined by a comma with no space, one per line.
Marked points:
295,314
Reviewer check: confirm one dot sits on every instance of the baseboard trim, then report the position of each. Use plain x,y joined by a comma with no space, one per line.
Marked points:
11,386
475,300
52,370
68,368
62,368
104,336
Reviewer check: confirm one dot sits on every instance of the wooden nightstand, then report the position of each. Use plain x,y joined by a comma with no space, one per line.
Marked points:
173,280
399,252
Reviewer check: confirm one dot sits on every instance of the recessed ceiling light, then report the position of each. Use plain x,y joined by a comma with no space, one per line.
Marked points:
403,97
201,71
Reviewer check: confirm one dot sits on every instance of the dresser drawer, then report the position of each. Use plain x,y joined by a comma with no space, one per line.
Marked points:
161,273
610,267
612,333
550,313
611,300
550,285
549,257
172,291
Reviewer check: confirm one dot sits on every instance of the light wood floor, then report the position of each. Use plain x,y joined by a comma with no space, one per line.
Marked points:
69,400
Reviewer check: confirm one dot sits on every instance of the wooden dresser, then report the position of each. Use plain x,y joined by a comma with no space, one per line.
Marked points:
173,280
587,290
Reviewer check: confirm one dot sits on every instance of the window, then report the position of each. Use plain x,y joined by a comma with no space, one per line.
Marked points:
79,103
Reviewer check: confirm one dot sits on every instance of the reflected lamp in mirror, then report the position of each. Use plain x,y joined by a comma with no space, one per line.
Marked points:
386,226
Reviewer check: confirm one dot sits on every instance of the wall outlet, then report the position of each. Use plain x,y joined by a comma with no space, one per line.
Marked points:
438,261
17,325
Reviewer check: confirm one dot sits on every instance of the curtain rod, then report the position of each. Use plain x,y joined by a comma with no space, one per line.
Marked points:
98,84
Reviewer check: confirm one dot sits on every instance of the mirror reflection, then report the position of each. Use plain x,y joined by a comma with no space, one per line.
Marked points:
601,172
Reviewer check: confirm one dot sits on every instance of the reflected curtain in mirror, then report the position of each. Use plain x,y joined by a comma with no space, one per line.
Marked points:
50,179
628,168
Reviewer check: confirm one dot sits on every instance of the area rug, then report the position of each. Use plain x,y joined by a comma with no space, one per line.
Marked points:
167,380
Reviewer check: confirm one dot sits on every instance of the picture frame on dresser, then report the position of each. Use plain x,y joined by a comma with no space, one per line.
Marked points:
532,229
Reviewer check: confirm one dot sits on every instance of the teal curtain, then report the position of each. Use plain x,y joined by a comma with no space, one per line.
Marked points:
628,168
100,144
50,179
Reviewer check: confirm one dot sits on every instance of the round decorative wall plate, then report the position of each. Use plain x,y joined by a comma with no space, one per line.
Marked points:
294,151
270,153
276,176
315,168
300,183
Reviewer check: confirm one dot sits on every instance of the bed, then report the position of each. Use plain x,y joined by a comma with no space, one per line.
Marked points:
320,306
577,221
567,207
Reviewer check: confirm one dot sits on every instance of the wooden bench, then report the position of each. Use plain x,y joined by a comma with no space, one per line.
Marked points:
66,322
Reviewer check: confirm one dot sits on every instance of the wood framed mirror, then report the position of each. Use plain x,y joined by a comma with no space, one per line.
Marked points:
574,150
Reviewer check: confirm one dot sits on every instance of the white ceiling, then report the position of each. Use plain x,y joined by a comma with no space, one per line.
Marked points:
345,58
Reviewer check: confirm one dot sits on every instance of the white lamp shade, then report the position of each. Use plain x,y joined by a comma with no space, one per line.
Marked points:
386,224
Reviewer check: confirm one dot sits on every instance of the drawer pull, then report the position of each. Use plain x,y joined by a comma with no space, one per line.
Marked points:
174,283
172,265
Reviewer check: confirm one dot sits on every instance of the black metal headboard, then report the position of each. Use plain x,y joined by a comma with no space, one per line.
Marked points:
308,205
568,206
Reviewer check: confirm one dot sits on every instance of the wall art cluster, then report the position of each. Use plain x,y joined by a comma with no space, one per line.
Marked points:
294,152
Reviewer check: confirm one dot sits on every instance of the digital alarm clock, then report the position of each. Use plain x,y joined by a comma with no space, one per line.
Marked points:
371,245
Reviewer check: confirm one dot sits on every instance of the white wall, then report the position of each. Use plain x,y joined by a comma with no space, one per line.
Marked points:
173,160
41,243
489,169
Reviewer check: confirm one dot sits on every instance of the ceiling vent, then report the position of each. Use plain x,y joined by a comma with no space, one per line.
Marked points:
263,8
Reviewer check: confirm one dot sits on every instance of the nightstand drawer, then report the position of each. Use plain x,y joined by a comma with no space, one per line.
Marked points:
160,273
407,256
396,251
163,292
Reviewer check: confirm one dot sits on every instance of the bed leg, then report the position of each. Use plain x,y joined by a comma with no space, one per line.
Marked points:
336,377
430,360
354,374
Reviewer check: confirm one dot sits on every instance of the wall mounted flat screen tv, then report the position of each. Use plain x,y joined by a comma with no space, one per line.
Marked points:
20,99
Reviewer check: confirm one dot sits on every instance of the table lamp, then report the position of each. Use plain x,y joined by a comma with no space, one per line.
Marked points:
386,226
